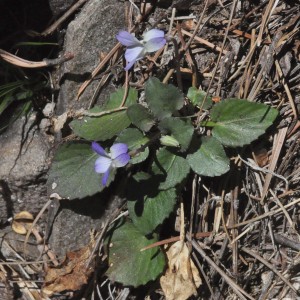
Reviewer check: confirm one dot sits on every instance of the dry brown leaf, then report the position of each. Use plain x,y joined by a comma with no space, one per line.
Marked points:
18,228
188,25
261,156
182,277
71,275
24,215
22,222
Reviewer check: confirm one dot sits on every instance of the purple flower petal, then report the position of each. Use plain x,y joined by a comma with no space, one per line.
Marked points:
152,34
127,39
155,44
129,65
98,149
102,164
105,177
134,53
118,149
121,161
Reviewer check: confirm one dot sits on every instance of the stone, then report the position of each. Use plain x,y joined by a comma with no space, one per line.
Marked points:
24,161
92,32
59,7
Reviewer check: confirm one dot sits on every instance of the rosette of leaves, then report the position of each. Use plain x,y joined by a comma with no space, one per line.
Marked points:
152,196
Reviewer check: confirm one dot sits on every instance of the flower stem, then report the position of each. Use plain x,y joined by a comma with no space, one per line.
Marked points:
177,59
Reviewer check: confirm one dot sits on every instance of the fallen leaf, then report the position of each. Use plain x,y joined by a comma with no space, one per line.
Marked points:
182,278
24,215
71,275
261,156
22,222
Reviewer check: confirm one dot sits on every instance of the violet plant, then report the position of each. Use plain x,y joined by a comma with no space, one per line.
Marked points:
153,40
117,158
162,135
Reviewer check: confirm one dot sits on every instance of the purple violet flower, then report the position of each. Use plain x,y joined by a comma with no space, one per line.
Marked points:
117,158
152,41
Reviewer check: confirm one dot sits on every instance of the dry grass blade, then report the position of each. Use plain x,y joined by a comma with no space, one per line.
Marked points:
67,14
278,144
268,214
270,266
238,290
20,62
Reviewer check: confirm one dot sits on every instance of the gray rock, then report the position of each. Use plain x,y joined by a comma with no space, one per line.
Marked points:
76,221
58,7
24,161
92,32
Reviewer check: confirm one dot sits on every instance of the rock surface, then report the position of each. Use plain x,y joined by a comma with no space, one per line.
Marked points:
92,32
24,161
58,7
23,174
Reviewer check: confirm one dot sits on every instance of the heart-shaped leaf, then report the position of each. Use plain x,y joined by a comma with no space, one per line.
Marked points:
239,122
100,128
127,263
72,174
210,159
181,130
147,212
197,98
171,167
140,117
116,98
134,140
163,99
105,126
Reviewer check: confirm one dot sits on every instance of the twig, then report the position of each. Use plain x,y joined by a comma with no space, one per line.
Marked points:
56,24
177,63
271,267
282,240
278,144
34,223
197,235
270,213
98,68
193,36
237,289
109,56
205,42
263,170
20,62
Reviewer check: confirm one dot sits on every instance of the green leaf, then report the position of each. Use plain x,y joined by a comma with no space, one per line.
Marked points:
140,117
101,128
210,159
239,122
134,140
127,264
72,172
197,98
181,130
163,99
171,167
10,97
106,126
116,98
149,211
